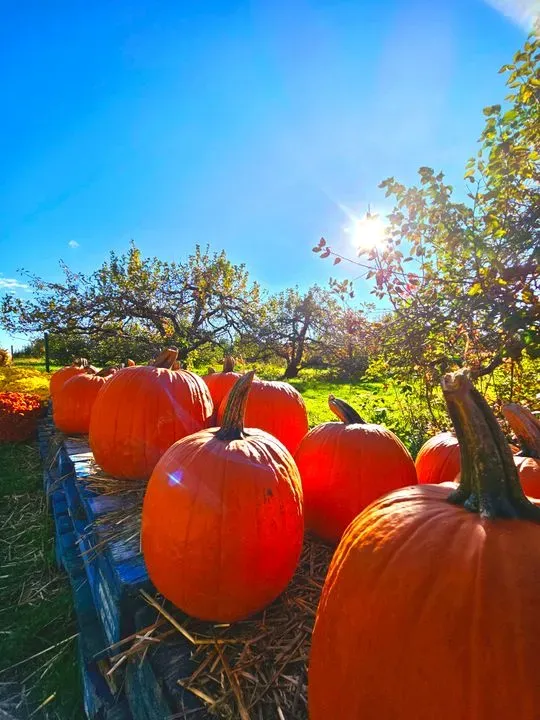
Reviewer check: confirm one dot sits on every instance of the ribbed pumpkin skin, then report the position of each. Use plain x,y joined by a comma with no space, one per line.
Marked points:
344,468
276,407
62,376
428,611
219,384
529,475
222,524
140,412
438,459
74,401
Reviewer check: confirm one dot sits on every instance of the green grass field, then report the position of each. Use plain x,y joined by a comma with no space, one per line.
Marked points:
36,613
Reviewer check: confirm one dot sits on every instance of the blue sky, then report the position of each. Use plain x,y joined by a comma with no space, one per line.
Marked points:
245,125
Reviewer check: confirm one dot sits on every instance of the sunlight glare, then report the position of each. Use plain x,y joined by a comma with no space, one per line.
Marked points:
367,233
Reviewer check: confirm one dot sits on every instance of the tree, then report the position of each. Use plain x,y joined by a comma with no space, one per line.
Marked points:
143,302
462,275
294,325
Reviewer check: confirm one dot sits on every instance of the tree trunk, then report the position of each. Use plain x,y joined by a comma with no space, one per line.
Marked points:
292,369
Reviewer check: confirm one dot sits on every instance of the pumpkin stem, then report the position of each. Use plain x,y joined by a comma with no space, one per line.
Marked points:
130,363
489,482
228,364
80,362
526,427
344,411
106,371
166,358
232,426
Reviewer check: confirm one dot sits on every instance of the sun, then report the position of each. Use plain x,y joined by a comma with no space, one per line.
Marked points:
367,233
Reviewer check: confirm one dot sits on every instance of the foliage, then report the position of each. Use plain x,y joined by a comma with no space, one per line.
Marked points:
144,303
462,275
24,380
18,415
295,324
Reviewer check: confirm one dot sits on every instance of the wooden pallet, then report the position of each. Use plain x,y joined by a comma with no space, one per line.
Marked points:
103,700
117,573
110,594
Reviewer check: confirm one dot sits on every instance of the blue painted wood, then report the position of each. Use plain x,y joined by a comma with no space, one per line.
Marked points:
100,701
110,593
117,572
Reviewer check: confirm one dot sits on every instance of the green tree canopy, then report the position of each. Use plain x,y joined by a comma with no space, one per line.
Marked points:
461,270
131,299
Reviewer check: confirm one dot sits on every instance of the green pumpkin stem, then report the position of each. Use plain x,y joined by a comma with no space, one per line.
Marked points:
166,359
232,426
526,428
344,411
489,482
228,364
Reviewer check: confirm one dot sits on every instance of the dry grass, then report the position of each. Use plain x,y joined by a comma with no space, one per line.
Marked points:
252,670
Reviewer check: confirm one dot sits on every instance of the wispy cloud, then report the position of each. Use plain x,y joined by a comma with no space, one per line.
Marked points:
522,12
73,244
12,284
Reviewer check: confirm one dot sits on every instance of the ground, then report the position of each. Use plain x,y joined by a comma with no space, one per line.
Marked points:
35,599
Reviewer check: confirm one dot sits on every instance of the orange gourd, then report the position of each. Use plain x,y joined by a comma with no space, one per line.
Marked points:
438,459
219,383
276,407
346,465
222,520
430,606
141,411
74,401
527,430
58,378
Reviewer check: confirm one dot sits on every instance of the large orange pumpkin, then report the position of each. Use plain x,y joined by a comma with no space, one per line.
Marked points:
345,466
430,606
58,378
276,407
438,459
141,411
74,401
222,520
527,430
219,383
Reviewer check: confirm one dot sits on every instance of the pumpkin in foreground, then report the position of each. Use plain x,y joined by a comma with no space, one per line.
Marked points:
78,367
346,465
141,411
527,430
74,401
222,521
276,407
219,383
438,459
430,606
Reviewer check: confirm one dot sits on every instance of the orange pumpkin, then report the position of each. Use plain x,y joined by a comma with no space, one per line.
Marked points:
430,606
222,520
74,401
58,378
527,430
276,407
141,411
438,459
345,466
219,383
